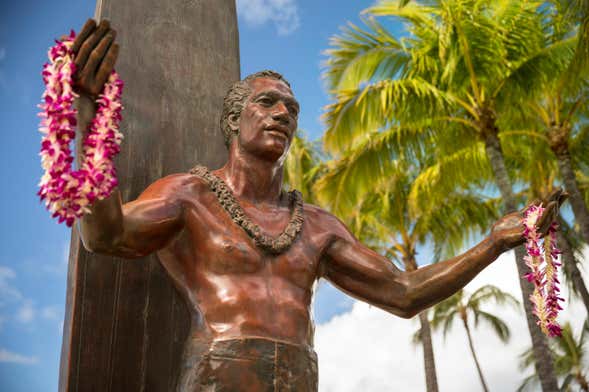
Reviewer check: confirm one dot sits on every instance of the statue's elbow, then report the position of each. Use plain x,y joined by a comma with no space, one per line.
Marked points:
403,309
409,306
410,313
102,244
95,246
406,311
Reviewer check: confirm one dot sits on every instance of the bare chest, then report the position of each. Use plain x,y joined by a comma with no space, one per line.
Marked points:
223,248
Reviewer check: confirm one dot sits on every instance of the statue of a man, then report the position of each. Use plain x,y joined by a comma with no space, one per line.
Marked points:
245,255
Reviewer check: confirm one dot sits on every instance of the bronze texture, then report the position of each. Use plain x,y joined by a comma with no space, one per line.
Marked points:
227,200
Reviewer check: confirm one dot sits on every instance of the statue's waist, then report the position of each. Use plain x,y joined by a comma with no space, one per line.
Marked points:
248,348
257,364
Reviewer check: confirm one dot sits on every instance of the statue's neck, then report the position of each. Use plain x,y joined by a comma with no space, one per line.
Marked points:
251,178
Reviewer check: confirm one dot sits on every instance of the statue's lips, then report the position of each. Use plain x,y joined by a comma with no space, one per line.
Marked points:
278,130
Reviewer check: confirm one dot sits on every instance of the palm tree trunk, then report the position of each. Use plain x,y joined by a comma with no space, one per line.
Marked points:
431,379
474,356
572,269
543,359
576,198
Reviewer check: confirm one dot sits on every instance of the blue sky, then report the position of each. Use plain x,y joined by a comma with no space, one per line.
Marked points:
33,266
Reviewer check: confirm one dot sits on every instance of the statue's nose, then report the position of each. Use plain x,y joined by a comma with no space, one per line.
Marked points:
280,112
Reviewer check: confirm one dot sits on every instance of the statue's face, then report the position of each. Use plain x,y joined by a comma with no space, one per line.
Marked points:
269,119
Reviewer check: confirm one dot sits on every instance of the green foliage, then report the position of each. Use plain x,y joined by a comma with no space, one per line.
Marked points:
570,358
303,165
411,121
461,306
460,58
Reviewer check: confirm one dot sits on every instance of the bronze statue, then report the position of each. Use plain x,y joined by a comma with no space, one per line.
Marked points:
245,255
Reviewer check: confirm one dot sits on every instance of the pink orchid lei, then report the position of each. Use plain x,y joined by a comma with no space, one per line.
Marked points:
68,193
543,272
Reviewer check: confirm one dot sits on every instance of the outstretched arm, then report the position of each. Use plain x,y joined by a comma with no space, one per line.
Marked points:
139,227
370,277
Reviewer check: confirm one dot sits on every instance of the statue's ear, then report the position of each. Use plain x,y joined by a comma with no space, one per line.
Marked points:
233,121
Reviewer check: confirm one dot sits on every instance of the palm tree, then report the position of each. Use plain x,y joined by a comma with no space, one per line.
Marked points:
460,306
558,116
380,217
537,169
578,10
569,360
565,138
464,66
571,247
303,166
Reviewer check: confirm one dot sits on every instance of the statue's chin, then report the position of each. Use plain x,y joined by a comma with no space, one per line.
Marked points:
272,150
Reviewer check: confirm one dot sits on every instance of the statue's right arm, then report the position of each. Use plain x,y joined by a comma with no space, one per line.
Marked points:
142,226
137,228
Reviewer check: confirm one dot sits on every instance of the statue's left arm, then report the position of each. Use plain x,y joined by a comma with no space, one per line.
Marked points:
368,276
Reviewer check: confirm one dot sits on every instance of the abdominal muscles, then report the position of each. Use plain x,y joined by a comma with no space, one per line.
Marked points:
256,306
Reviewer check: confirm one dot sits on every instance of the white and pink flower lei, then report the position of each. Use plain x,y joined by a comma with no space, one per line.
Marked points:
67,192
543,272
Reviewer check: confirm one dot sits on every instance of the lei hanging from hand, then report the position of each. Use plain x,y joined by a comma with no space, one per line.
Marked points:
543,272
68,193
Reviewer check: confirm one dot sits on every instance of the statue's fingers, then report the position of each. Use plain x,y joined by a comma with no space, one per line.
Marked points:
97,55
554,195
88,28
89,44
549,216
107,64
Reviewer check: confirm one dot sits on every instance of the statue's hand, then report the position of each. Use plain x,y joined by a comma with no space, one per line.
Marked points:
508,231
96,55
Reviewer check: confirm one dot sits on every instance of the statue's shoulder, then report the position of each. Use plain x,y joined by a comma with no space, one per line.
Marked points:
321,218
324,223
175,186
201,178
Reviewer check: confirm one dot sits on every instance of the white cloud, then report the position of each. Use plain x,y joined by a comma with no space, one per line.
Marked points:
27,312
283,14
15,307
7,356
371,350
51,312
7,290
6,273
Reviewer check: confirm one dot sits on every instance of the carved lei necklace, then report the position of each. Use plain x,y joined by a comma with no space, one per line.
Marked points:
231,205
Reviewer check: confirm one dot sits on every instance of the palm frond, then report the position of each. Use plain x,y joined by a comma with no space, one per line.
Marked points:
463,168
491,293
358,56
499,327
369,108
537,71
413,12
303,166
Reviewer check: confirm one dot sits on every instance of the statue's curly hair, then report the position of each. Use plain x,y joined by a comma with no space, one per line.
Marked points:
236,97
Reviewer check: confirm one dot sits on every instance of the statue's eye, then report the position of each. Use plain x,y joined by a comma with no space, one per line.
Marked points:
293,110
265,101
